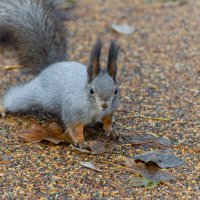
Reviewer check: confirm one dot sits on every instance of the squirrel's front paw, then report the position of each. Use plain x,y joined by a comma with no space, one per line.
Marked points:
107,128
2,111
109,132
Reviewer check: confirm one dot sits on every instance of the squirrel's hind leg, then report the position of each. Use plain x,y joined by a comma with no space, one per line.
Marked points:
2,111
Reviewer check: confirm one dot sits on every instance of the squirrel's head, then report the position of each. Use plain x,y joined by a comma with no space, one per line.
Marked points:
101,84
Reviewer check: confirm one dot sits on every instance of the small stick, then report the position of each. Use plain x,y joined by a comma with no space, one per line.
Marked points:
12,67
119,166
147,142
169,185
145,117
160,145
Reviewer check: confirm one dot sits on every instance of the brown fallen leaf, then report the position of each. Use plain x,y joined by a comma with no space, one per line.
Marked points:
148,140
96,147
90,147
149,171
90,166
79,150
35,134
52,133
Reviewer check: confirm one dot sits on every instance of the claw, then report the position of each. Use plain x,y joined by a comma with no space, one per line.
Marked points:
107,134
113,118
114,135
110,133
108,128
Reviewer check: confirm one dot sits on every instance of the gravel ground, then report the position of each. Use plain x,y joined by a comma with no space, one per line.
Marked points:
159,76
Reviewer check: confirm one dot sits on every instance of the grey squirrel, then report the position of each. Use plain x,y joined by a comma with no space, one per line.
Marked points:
79,94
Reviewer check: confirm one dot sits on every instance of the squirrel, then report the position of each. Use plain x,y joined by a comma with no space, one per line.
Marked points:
79,94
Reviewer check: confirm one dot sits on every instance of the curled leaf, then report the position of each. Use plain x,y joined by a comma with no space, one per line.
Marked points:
146,140
96,147
123,29
79,150
149,171
161,158
90,166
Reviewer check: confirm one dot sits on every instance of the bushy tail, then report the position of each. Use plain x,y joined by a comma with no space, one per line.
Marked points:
35,31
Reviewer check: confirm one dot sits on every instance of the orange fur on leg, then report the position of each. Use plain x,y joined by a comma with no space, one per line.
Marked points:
107,123
2,111
76,133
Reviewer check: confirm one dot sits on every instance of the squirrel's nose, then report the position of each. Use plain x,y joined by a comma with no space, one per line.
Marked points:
104,105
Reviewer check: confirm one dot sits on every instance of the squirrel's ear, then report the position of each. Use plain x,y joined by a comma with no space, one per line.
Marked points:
112,59
94,65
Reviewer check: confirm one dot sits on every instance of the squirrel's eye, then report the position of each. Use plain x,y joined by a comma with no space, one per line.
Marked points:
116,91
91,91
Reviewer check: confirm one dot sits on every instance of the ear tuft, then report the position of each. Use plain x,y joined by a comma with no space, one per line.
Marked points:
94,64
112,59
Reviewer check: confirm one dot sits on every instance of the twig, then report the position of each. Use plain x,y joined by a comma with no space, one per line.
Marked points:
119,166
147,142
12,67
159,144
169,185
145,117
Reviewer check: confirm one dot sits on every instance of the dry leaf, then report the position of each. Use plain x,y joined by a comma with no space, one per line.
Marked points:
96,147
79,150
64,4
123,29
90,147
149,171
161,158
142,182
52,133
36,133
148,140
90,166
